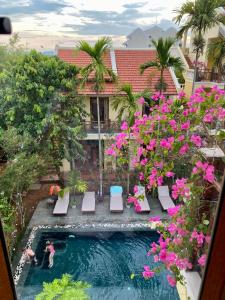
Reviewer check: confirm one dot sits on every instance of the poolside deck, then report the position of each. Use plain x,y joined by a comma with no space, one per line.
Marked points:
43,214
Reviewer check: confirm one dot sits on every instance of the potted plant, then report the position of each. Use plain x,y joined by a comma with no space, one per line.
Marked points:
53,192
74,184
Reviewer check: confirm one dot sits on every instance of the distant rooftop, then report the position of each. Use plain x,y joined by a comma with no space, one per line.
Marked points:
142,38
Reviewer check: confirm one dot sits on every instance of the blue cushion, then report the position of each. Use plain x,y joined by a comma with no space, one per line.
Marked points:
116,189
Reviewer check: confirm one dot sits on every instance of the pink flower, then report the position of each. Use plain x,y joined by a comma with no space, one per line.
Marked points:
141,100
144,161
181,138
185,125
202,260
124,126
137,207
184,149
171,280
135,189
141,176
173,124
196,139
170,174
151,145
110,151
208,118
148,273
154,219
181,95
172,228
172,211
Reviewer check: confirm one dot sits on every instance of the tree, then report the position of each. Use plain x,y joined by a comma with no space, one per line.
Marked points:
216,53
38,96
126,104
164,59
98,71
64,289
200,16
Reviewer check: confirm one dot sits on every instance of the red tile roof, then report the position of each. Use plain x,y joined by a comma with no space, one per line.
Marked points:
127,63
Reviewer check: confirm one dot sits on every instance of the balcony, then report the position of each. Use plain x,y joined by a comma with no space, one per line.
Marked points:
108,127
207,75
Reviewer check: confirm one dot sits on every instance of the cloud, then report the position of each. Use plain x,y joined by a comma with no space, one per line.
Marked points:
26,7
135,5
110,22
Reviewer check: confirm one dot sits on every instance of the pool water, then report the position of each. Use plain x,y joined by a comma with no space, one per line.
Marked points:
105,260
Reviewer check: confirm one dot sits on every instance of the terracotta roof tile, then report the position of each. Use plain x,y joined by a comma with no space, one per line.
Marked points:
128,63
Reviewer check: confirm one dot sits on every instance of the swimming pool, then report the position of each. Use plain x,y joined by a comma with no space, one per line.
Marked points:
103,259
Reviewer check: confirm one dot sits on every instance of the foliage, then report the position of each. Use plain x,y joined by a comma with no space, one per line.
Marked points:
6,214
170,136
74,183
125,102
216,53
64,289
164,59
96,69
38,97
17,178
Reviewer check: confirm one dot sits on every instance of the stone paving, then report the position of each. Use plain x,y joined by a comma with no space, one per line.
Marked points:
43,214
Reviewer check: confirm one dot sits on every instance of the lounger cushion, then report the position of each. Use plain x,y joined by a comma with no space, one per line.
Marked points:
62,204
164,197
116,189
166,202
116,203
163,190
88,204
143,202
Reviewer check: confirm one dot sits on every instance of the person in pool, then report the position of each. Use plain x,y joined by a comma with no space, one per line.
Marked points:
30,255
50,248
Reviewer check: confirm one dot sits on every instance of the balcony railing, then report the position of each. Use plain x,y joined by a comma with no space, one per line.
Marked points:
209,76
108,126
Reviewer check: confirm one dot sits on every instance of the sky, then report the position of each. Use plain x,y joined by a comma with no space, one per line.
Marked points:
42,24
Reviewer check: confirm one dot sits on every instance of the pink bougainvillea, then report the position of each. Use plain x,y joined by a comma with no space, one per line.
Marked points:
171,135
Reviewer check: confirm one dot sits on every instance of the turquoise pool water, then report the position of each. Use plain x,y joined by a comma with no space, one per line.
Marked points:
103,259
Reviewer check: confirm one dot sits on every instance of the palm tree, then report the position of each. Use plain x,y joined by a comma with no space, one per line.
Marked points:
164,59
216,53
200,16
98,71
126,105
74,184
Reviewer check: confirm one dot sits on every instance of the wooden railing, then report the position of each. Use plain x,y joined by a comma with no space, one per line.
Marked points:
106,127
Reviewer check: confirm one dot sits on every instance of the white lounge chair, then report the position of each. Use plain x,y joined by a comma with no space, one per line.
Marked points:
145,207
116,199
62,204
88,204
164,197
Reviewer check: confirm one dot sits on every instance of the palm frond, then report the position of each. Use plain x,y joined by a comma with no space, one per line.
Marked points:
149,64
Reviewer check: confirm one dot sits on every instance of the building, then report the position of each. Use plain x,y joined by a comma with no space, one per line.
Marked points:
125,63
143,38
207,75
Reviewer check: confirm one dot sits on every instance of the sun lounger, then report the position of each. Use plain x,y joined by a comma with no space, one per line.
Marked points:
164,197
116,198
62,204
88,204
145,207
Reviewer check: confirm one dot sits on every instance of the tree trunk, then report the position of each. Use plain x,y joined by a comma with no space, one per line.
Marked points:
128,171
195,71
99,149
161,81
